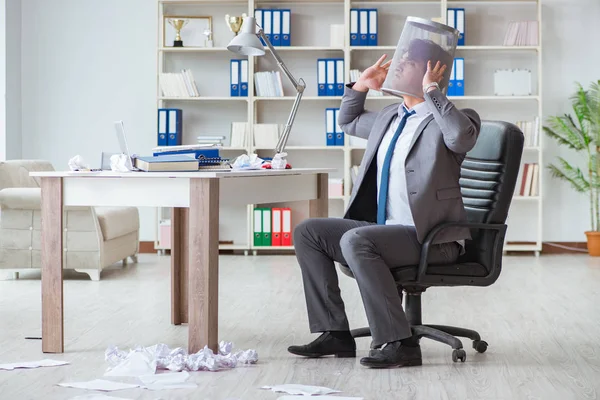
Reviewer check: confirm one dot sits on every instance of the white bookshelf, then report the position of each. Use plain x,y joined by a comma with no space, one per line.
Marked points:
214,111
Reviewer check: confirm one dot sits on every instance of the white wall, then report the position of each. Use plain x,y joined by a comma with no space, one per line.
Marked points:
2,79
13,79
79,77
86,64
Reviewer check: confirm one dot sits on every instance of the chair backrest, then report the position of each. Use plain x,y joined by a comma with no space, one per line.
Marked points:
488,179
15,173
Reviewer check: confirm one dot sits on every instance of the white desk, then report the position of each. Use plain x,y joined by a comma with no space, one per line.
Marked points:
195,198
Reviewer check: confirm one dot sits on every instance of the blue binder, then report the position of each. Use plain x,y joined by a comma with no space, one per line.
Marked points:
354,39
339,133
162,127
258,16
330,126
234,78
330,80
372,41
460,77
174,127
456,19
322,77
452,82
206,156
244,78
339,77
286,25
267,18
276,27
363,27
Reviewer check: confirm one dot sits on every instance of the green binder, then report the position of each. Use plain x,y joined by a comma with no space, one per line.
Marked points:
258,227
266,227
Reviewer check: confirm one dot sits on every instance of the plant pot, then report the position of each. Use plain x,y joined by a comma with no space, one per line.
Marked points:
593,243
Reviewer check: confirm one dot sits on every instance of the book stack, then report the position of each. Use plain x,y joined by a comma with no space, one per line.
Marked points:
272,226
354,173
521,33
211,140
268,84
239,134
178,84
167,163
528,180
531,131
206,156
355,74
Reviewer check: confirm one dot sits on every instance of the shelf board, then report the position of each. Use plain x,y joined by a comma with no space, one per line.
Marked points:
192,49
501,48
336,198
306,48
494,97
304,98
384,48
521,247
205,98
233,247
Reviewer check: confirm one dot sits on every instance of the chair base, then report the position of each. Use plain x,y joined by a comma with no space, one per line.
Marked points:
440,333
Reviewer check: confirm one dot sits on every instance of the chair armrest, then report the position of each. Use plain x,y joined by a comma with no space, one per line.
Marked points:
439,228
21,198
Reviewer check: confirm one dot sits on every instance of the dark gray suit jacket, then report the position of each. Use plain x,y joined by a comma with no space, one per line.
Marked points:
432,165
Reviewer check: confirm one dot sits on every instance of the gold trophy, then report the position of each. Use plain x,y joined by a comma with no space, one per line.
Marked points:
178,24
235,23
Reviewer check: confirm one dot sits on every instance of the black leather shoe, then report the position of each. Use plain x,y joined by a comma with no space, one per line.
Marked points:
327,345
393,355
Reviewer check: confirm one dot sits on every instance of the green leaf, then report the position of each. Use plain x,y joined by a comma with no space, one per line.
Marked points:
563,130
594,107
570,174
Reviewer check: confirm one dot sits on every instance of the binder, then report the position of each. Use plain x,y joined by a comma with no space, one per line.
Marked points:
321,77
286,27
276,227
286,227
266,227
257,227
451,17
234,78
162,127
329,126
354,39
339,77
363,27
452,81
258,16
460,77
174,127
339,133
268,24
244,78
460,25
276,27
206,156
330,70
372,41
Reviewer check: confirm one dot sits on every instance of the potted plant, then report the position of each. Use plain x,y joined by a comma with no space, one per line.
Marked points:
581,134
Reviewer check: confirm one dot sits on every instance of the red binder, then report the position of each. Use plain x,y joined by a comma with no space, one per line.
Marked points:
276,227
286,226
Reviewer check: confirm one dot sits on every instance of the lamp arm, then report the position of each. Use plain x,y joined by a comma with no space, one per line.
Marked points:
299,85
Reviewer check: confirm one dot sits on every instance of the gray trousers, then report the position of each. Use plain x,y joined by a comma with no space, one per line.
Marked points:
369,250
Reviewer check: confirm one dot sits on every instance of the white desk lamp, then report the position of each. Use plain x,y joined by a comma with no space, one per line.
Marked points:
247,43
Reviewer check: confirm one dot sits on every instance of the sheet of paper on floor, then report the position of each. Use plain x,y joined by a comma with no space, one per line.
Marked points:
166,381
100,397
99,384
33,364
326,397
305,390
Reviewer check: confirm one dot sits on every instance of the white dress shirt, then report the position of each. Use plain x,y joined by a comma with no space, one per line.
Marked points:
398,208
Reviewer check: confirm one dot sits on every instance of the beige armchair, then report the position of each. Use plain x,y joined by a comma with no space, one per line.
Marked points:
94,237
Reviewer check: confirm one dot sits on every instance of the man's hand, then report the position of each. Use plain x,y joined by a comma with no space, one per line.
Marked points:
435,74
373,77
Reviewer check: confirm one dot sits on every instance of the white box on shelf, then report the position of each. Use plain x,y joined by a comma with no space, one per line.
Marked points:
336,187
512,82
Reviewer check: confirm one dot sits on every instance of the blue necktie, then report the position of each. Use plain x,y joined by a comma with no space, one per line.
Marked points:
385,171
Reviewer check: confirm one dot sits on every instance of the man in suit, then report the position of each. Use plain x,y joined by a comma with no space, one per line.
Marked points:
408,182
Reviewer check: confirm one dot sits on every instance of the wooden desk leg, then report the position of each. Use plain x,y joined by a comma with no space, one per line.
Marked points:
52,266
203,264
179,265
319,208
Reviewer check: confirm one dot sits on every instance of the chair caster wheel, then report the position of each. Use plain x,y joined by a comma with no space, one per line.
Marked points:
459,354
480,346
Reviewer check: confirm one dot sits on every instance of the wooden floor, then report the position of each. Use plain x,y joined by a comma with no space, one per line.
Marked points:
541,319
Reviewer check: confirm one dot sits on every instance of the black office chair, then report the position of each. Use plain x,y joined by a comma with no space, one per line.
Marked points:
488,177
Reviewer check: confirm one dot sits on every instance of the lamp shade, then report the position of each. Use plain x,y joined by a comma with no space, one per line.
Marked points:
247,42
